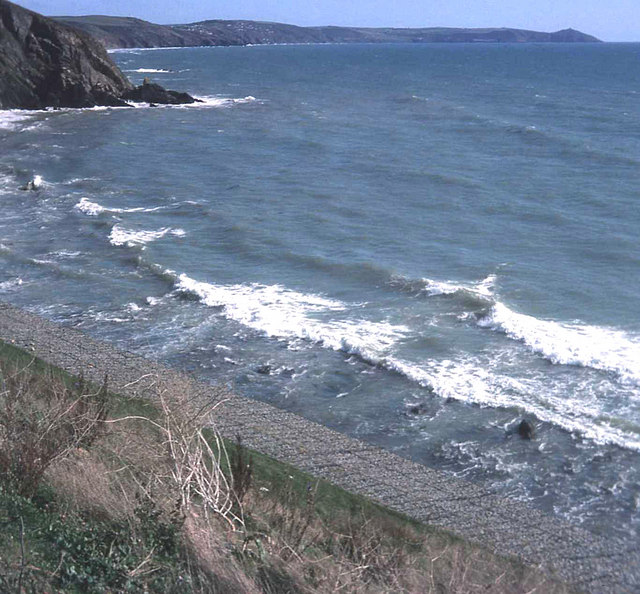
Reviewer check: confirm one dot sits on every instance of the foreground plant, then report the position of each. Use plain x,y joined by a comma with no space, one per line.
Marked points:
43,419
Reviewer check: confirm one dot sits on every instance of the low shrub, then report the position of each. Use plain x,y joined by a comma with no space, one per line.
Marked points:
42,419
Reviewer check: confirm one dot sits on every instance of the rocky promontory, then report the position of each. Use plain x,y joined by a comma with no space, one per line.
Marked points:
152,93
48,64
45,63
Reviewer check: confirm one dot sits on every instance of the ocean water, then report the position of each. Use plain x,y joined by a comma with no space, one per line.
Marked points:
418,245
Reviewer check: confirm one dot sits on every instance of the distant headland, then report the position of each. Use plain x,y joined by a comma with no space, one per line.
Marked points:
124,32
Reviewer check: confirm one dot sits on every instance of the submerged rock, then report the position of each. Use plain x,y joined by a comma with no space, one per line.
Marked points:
526,429
44,63
154,94
417,409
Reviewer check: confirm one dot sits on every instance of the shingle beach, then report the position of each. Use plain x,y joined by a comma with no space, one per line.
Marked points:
590,562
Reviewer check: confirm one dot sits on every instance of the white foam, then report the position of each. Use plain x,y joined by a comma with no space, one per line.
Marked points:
135,50
11,118
282,313
65,254
293,316
93,209
204,102
35,126
77,180
120,236
217,101
484,288
150,70
601,348
473,382
11,284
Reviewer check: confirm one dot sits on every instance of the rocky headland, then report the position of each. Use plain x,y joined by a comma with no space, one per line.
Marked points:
121,32
45,63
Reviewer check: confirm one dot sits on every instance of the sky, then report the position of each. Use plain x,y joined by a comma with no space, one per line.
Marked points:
609,20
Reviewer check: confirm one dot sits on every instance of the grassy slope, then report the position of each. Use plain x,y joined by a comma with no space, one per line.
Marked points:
299,534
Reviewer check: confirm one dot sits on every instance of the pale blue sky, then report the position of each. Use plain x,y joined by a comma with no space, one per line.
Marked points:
610,20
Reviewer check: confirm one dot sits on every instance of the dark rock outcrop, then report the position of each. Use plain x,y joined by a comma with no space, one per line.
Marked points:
128,32
33,184
154,94
526,430
44,63
264,369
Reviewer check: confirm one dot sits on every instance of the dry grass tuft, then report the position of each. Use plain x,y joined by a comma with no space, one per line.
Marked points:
42,420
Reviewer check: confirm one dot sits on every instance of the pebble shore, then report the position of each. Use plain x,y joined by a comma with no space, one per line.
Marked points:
588,561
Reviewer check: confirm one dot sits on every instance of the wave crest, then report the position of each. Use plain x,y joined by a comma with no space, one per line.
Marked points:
121,236
561,343
605,349
282,313
94,209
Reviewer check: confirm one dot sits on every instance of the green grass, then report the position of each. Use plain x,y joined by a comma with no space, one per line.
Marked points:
300,532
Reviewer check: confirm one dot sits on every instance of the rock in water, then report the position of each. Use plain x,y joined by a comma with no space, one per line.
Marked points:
33,184
264,369
47,64
526,430
152,93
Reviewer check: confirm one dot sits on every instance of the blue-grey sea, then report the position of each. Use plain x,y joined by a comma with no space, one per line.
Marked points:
418,245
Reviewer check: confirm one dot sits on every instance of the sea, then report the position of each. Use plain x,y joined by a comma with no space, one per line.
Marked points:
416,245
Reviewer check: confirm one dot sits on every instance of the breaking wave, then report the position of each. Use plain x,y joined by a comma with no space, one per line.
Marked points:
151,70
562,343
10,119
94,209
605,349
289,315
121,236
285,314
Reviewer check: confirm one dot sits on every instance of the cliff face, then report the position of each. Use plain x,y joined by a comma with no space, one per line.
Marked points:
44,63
127,32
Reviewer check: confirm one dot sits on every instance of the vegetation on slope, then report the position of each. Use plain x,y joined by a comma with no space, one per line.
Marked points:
122,32
102,493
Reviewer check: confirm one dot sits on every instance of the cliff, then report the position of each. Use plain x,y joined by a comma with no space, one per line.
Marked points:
44,63
120,32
